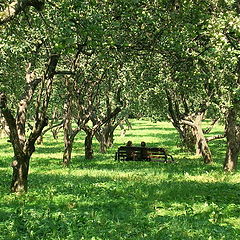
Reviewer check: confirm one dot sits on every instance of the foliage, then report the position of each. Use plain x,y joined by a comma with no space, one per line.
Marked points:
104,199
186,46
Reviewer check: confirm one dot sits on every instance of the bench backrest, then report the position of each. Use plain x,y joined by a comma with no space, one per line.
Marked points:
140,152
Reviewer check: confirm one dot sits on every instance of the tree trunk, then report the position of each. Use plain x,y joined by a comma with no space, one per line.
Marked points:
189,125
110,138
230,163
101,139
40,140
202,146
232,128
105,137
55,132
129,125
67,154
123,130
91,132
103,146
188,138
24,146
88,146
233,145
68,140
68,146
20,173
195,138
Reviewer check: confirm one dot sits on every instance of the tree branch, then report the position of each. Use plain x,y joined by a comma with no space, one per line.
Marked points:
216,137
107,118
208,129
11,122
51,127
65,73
188,123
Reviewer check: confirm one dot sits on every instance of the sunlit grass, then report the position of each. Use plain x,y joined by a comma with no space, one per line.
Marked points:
106,199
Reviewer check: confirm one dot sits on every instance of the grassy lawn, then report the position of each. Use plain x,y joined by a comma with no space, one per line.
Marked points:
104,199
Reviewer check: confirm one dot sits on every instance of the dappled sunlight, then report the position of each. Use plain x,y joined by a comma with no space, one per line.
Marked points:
122,200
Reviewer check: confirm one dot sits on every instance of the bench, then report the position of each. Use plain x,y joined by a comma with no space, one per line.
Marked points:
125,153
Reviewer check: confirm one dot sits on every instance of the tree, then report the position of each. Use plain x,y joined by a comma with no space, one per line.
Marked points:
105,133
233,114
223,30
24,146
25,86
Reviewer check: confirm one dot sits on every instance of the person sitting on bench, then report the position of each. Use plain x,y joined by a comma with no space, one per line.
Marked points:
130,154
144,152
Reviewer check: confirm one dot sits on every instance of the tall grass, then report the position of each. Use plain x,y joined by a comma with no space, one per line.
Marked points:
105,199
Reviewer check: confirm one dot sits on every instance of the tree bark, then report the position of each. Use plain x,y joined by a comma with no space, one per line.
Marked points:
20,167
22,153
69,136
100,136
199,140
88,145
232,127
67,140
189,126
203,147
67,154
233,141
105,137
90,132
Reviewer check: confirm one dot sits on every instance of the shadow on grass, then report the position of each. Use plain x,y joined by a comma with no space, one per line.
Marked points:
169,190
105,199
119,208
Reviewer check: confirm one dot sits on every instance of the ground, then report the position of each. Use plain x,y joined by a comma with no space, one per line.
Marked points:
104,199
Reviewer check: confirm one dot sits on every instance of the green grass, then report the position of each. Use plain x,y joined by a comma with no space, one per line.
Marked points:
105,199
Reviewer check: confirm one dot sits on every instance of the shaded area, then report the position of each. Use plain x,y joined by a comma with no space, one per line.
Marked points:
107,199
72,207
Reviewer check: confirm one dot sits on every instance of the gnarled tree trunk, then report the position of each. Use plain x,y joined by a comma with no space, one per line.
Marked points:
20,173
69,136
4,130
189,126
90,132
105,137
233,141
23,146
198,139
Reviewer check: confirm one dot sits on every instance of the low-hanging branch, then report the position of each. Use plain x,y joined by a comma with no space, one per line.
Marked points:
219,136
52,127
189,123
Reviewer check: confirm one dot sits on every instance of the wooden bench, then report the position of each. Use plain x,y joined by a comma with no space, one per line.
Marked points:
153,154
